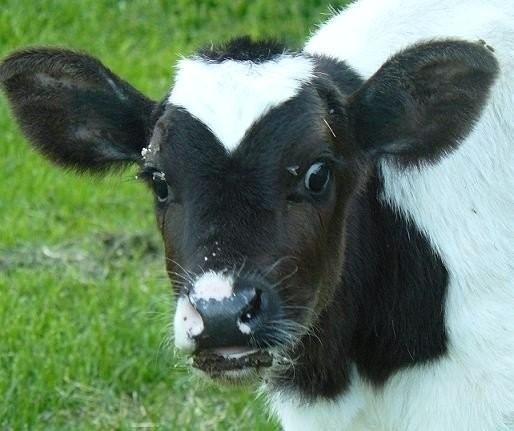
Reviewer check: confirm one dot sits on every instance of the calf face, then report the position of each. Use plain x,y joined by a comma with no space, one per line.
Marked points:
253,157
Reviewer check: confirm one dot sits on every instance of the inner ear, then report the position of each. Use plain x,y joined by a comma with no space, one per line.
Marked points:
423,101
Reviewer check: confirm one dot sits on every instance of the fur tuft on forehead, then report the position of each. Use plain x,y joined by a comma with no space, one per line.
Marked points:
229,94
244,49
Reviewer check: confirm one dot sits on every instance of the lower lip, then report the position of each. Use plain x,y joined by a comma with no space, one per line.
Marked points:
231,359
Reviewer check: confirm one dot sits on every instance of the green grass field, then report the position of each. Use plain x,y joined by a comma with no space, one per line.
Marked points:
85,305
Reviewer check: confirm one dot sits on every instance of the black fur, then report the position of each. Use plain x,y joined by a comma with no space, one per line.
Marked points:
339,73
360,275
244,49
399,282
423,101
388,311
75,110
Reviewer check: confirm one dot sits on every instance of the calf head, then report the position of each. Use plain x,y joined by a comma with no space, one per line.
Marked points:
253,158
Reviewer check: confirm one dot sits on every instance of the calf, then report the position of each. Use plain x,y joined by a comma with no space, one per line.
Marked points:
338,222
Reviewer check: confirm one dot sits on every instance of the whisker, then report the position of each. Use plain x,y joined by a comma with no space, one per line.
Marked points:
241,269
277,263
189,273
287,277
183,277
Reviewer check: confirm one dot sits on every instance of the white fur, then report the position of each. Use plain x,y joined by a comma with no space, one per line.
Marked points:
465,206
342,413
212,285
229,97
244,328
187,324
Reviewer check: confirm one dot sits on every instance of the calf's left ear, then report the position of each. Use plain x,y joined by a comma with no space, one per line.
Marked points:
423,100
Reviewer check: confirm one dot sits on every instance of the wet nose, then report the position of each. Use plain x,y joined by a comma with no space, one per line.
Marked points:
232,320
220,312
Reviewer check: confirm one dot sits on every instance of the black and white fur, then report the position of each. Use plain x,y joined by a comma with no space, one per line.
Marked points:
390,291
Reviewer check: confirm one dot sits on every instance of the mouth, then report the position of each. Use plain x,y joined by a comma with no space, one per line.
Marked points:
232,363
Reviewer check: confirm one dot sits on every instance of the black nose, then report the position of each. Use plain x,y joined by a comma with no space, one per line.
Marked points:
236,320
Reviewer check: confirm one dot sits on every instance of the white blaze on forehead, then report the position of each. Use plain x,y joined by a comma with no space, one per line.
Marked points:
212,285
228,97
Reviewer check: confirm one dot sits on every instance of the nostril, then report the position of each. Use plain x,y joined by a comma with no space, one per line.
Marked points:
253,308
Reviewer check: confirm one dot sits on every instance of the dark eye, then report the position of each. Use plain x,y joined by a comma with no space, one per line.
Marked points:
160,186
316,178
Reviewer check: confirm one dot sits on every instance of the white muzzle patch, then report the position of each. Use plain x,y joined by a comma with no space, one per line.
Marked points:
188,323
212,285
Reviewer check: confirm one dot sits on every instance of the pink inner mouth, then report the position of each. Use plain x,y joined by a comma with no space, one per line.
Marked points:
233,352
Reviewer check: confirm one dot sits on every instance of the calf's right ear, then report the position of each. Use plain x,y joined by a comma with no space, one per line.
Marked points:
75,110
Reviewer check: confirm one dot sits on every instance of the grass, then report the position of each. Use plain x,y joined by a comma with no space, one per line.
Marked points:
85,304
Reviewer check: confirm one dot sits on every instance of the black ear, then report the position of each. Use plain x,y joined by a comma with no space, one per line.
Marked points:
75,110
423,100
